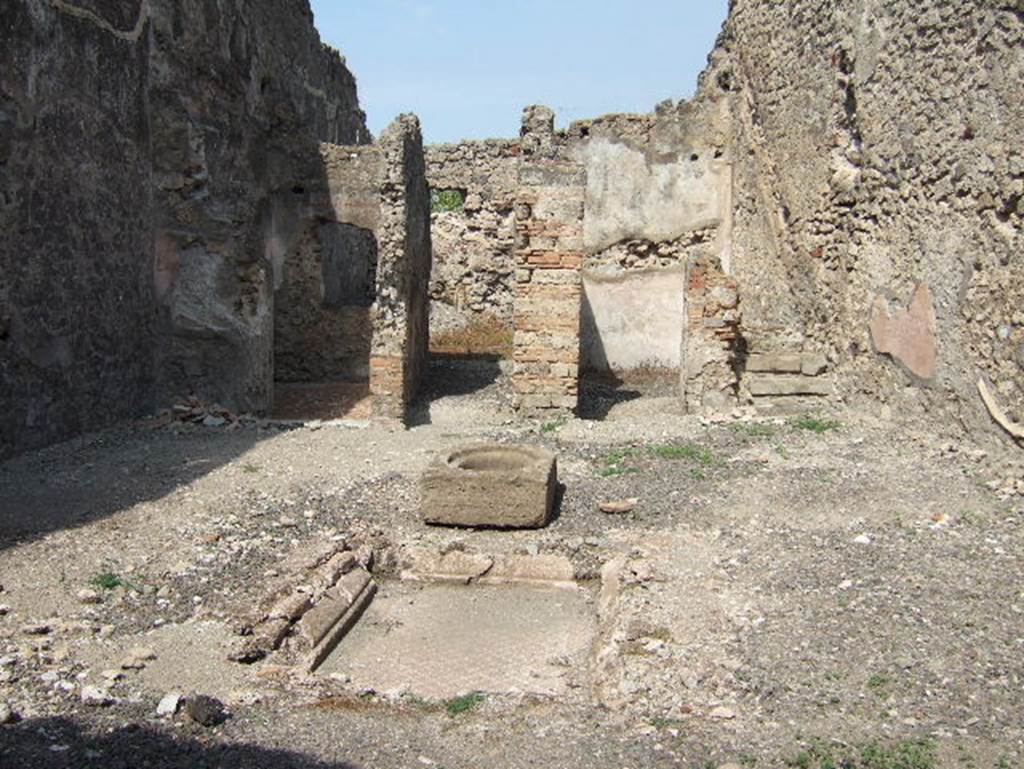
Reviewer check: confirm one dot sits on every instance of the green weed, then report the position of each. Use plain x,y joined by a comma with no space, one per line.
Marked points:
905,754
614,463
463,704
554,425
688,451
878,681
109,581
754,429
815,424
659,722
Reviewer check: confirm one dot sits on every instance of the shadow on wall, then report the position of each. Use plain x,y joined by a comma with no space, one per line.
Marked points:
601,389
323,323
322,326
30,745
221,343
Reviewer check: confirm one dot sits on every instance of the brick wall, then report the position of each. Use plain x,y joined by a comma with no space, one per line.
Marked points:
549,254
710,378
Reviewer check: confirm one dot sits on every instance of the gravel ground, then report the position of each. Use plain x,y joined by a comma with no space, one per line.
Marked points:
786,592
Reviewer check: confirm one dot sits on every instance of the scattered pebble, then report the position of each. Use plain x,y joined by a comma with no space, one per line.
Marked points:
88,596
619,507
205,711
137,658
96,696
168,705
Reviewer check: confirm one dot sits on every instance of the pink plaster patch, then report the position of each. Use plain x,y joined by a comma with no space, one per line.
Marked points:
908,335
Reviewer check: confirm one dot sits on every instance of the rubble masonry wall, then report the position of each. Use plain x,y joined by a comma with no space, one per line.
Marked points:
148,151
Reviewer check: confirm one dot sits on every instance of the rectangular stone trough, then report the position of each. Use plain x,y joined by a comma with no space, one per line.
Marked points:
491,486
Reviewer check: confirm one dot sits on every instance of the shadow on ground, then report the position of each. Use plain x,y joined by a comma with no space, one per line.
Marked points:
600,392
61,743
97,475
453,375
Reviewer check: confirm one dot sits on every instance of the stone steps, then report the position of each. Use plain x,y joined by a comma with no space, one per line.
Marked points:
787,382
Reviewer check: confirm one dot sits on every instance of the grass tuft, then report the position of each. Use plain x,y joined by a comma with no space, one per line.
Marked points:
554,425
904,754
463,704
698,454
484,335
815,424
109,581
754,429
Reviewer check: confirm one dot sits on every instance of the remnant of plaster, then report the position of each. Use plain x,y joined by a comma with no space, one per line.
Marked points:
907,335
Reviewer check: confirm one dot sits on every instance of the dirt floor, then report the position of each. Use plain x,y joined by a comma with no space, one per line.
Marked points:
809,592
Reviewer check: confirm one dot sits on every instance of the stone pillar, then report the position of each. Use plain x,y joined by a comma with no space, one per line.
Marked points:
398,351
549,255
710,379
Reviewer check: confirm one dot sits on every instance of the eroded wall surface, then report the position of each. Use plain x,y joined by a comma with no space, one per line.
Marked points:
474,247
148,157
881,154
326,286
401,324
658,200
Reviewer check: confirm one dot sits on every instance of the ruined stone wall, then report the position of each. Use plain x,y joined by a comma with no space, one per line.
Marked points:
879,167
549,255
144,151
327,283
657,233
76,293
242,94
401,335
474,246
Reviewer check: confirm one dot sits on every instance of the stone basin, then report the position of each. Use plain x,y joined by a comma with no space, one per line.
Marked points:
491,486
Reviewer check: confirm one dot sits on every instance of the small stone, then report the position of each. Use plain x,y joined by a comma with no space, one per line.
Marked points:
7,715
168,705
723,713
863,539
96,696
4,610
88,596
619,507
214,421
846,584
49,677
37,628
205,711
112,675
244,698
137,658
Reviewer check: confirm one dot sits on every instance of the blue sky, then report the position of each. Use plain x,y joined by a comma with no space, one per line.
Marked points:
468,67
